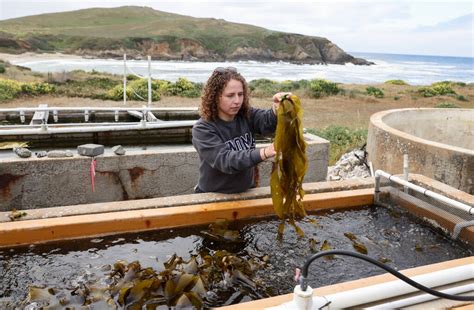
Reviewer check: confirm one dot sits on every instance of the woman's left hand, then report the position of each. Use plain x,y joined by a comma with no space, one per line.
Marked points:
277,99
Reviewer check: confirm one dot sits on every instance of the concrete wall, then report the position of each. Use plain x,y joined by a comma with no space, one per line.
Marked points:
438,143
155,172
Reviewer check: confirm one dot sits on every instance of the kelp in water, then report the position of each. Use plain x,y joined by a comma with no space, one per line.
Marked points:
290,164
180,285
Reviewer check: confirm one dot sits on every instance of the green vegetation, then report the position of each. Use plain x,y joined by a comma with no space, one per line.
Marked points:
93,87
321,88
396,82
2,68
342,140
374,91
138,90
437,89
447,105
184,88
450,83
10,89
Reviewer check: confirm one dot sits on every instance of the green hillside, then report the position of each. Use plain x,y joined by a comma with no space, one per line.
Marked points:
108,32
124,22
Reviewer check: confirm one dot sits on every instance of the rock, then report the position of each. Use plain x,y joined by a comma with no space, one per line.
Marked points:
118,150
41,154
59,154
90,150
351,165
22,152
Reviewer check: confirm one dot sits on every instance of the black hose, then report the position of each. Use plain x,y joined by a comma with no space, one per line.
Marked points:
304,281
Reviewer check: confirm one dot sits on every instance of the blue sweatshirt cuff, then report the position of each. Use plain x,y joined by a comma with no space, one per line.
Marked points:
255,156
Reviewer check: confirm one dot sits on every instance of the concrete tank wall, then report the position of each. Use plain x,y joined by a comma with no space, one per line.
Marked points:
439,144
155,172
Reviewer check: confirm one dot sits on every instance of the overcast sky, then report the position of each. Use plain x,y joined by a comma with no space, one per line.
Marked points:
402,27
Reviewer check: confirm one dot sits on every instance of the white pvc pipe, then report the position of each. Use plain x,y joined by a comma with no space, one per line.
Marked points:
419,189
423,298
396,288
110,109
100,128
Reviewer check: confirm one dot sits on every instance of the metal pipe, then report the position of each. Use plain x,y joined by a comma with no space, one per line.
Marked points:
405,171
149,81
377,188
426,192
101,128
124,79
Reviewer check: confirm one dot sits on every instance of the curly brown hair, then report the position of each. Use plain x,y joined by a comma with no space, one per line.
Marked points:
213,91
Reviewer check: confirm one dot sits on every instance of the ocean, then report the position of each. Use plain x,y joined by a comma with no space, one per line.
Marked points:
413,69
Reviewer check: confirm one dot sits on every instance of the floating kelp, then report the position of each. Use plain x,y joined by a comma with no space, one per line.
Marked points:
359,247
219,231
290,164
182,284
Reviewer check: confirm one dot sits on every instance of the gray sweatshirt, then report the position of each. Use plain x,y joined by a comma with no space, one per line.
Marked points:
227,150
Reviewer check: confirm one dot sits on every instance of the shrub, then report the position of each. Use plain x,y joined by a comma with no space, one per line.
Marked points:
139,90
37,88
442,89
2,68
132,77
116,93
461,98
320,88
396,82
342,140
437,89
184,88
9,89
427,92
446,105
374,91
450,83
263,87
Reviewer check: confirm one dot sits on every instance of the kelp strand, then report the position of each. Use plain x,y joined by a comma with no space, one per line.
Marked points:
290,164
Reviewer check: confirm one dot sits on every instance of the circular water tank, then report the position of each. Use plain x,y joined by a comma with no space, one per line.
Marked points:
439,144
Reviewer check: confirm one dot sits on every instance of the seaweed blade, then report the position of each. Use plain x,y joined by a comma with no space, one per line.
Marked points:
286,182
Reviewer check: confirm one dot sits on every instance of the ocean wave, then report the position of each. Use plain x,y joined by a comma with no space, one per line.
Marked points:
414,70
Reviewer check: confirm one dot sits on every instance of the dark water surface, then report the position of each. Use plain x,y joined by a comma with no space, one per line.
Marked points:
389,235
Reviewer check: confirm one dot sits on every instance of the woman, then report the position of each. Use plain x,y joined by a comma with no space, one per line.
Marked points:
224,135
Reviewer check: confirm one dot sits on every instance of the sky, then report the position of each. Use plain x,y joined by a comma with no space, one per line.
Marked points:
416,27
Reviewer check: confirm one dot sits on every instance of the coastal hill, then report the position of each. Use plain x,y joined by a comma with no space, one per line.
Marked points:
139,31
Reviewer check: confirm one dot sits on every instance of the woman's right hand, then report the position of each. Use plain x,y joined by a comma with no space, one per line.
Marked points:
277,99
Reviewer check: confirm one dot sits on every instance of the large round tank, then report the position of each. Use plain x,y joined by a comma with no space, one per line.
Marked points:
439,144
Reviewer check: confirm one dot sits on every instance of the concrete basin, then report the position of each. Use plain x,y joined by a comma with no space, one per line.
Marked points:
439,144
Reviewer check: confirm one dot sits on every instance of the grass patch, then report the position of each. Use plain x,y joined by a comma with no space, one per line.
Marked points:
342,140
374,91
446,105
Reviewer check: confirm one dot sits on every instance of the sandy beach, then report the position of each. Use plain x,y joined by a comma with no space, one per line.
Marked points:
25,57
